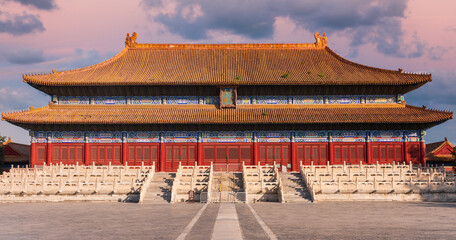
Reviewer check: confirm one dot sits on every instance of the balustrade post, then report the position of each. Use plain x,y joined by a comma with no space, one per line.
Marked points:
25,187
97,185
375,184
61,185
356,182
42,186
114,186
79,186
338,184
321,184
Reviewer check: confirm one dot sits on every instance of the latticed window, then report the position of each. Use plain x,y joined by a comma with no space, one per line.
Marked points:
209,153
68,154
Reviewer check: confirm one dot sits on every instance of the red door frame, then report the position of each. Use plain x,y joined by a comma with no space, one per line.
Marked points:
349,146
206,161
376,146
35,158
312,145
172,164
135,161
412,152
267,160
61,146
105,161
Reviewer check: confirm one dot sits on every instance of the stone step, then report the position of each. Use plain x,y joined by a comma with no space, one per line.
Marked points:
161,184
290,177
295,193
298,201
293,185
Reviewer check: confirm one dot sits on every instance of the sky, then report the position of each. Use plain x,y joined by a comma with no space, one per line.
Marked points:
37,36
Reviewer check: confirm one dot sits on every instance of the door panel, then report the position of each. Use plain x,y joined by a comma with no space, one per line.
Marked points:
350,153
179,153
315,153
275,152
139,153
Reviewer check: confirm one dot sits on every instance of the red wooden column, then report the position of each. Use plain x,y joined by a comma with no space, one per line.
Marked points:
368,155
86,149
294,160
162,154
422,153
48,150
330,150
124,149
255,150
422,149
33,155
199,149
404,148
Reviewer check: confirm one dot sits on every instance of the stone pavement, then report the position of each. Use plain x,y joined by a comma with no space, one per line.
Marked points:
227,223
324,220
360,220
94,220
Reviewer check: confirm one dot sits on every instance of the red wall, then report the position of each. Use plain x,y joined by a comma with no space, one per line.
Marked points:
167,156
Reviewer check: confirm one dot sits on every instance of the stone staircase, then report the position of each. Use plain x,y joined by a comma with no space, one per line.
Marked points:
159,190
294,189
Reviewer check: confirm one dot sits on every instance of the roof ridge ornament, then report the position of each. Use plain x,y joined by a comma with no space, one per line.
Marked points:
131,41
320,41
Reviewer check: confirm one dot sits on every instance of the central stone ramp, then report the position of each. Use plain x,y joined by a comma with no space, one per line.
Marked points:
227,187
159,190
294,189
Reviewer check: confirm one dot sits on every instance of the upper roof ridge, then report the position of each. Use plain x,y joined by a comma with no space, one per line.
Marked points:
320,43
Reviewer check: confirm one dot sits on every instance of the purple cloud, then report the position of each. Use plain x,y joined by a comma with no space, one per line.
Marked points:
369,21
25,56
39,4
20,24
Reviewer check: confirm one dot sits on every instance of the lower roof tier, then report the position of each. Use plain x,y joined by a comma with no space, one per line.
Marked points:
259,114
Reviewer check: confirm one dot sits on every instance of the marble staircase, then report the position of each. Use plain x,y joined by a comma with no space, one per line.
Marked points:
294,189
159,190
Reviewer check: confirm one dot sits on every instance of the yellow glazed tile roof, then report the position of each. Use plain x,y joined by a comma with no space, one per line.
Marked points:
138,114
227,64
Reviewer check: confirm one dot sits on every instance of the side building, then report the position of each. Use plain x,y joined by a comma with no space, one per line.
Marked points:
440,154
227,104
16,155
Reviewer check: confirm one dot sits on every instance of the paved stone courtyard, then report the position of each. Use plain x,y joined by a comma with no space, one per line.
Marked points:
324,220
